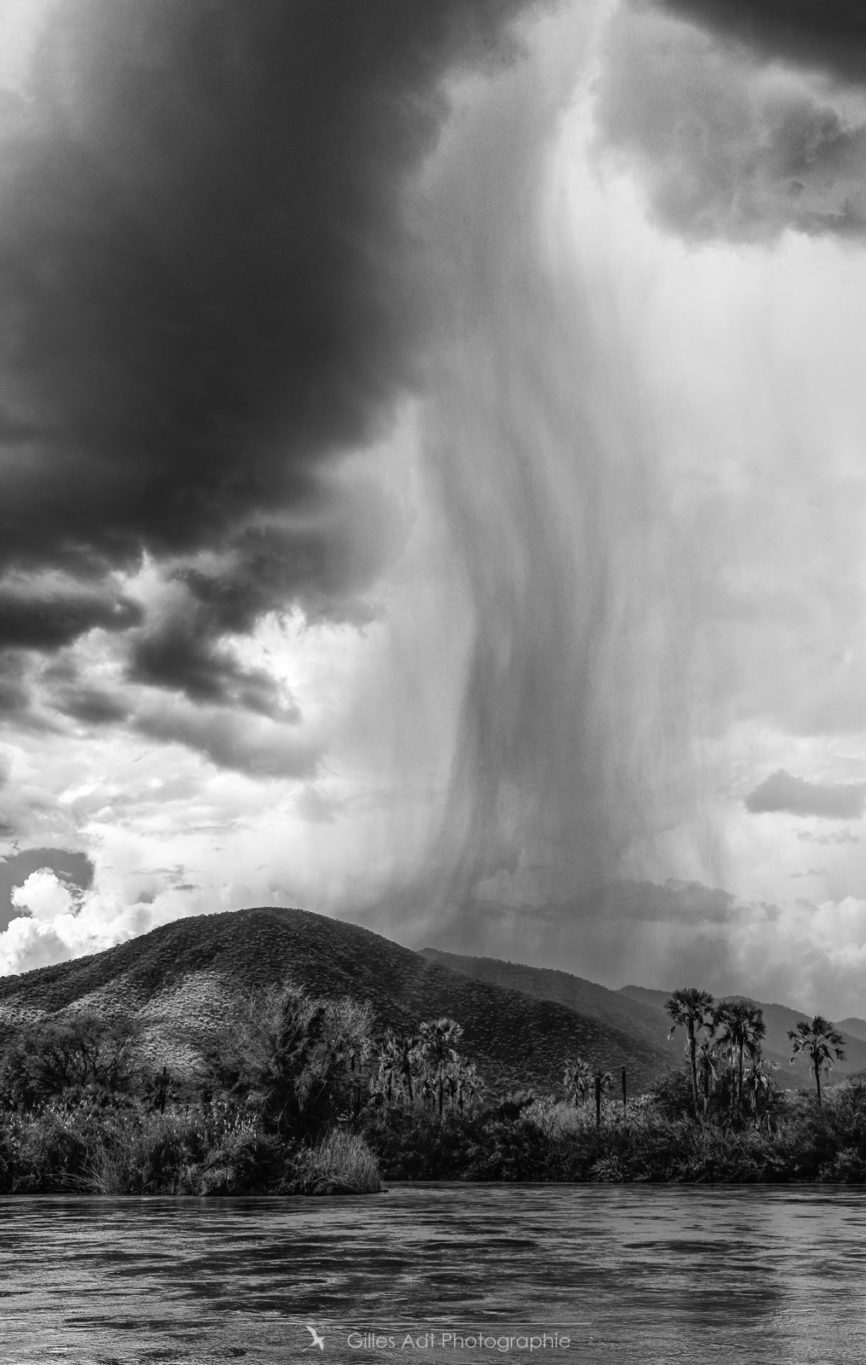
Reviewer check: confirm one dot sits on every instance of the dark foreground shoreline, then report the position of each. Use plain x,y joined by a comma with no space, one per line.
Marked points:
97,1144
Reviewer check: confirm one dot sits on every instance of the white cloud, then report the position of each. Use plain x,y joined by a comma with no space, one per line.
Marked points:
21,22
44,896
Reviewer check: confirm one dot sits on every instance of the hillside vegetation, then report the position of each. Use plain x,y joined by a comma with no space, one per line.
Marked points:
177,980
640,1012
275,1051
611,1008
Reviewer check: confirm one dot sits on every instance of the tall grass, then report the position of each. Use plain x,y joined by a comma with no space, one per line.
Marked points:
341,1163
72,1147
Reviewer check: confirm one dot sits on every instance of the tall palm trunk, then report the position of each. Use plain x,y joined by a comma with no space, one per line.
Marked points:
693,1063
407,1069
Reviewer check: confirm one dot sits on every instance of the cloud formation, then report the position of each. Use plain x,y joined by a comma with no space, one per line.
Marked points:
73,871
32,617
728,146
807,33
211,295
275,632
794,795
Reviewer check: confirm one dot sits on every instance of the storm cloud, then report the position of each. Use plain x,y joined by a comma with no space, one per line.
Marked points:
33,619
795,796
730,143
432,467
211,294
808,33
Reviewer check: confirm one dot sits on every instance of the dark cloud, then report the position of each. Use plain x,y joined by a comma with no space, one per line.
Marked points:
15,691
67,694
808,33
90,705
33,619
75,870
323,564
210,292
319,567
180,654
725,148
243,743
794,795
14,432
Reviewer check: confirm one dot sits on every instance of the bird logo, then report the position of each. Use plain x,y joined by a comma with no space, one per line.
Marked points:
317,1339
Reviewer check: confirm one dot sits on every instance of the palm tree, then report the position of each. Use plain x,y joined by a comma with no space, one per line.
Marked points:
743,1027
822,1043
758,1083
437,1049
407,1047
691,1009
349,1026
470,1084
577,1080
602,1081
707,1066
463,1083
390,1066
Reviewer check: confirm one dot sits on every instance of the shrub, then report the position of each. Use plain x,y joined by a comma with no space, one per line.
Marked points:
75,1051
340,1163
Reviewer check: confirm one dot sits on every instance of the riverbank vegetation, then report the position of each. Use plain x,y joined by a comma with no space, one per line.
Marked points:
294,1095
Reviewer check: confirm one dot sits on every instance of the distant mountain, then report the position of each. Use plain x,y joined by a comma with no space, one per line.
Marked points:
614,1009
777,1047
177,979
645,996
856,1028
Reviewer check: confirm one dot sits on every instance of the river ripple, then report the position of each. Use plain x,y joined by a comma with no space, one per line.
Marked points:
631,1275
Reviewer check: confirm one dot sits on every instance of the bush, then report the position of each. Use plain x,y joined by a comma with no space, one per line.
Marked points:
73,1052
412,1144
340,1163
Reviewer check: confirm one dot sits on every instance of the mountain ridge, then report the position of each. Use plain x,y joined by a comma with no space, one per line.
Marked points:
642,1008
520,1023
177,979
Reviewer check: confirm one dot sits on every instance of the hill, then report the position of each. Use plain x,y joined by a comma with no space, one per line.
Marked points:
856,1028
639,1011
612,1008
177,980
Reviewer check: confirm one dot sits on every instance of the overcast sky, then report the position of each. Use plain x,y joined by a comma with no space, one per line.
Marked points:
433,480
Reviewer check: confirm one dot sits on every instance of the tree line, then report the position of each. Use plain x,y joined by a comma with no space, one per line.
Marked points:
283,1098
291,1094
723,1045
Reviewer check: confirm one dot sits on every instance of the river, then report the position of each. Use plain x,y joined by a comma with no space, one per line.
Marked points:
631,1274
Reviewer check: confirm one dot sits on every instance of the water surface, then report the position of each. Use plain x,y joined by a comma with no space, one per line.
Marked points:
648,1274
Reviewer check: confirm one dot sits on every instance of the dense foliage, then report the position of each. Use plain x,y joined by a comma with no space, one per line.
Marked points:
296,1095
183,975
654,1139
265,1112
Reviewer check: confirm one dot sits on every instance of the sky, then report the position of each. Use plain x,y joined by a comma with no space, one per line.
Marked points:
433,489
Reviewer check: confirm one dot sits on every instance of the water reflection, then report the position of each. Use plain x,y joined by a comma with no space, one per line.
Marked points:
648,1274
